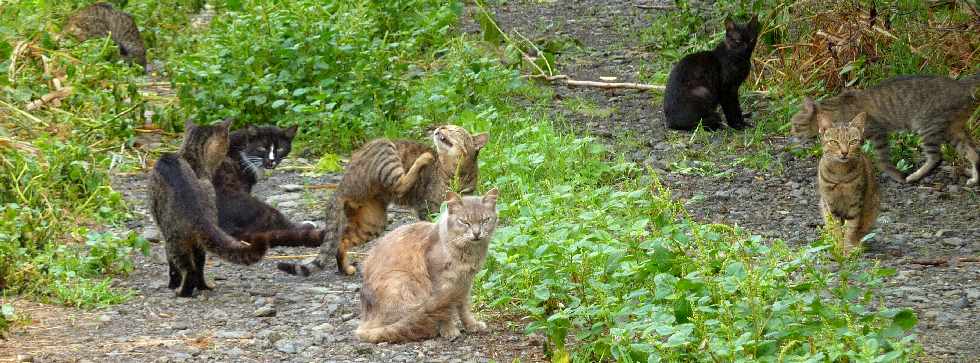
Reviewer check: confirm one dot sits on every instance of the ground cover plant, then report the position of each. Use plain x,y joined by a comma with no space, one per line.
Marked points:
592,250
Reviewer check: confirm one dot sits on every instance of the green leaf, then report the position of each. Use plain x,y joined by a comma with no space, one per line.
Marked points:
542,293
906,319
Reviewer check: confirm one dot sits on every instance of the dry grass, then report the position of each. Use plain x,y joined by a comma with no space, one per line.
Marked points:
831,41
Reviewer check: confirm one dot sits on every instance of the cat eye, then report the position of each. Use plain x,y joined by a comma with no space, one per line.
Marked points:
461,221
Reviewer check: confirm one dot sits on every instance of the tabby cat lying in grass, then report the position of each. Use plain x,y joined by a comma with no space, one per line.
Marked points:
100,20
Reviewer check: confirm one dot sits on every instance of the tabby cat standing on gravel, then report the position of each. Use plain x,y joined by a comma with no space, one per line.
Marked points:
417,278
100,20
936,108
182,201
847,181
702,80
239,212
382,171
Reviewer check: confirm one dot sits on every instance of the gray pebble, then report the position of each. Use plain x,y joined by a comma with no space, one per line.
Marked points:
291,188
286,346
265,311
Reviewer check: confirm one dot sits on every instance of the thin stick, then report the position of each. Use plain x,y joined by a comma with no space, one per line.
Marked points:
608,85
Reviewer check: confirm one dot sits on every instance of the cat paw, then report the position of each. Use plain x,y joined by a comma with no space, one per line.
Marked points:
449,331
350,270
476,326
424,159
308,224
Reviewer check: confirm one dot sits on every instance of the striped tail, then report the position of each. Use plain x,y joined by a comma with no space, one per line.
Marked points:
300,237
422,323
332,233
230,249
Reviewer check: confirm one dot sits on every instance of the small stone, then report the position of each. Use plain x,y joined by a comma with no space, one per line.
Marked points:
265,312
291,188
953,188
973,294
954,241
234,352
105,318
288,204
231,334
22,358
286,346
318,290
152,234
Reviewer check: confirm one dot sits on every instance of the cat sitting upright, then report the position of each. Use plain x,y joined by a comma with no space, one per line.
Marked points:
703,80
417,278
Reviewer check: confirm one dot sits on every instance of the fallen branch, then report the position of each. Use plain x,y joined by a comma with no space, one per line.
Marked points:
605,85
54,99
945,261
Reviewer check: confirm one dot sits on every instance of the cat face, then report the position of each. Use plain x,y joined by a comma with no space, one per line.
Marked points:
470,218
741,38
266,146
840,143
458,153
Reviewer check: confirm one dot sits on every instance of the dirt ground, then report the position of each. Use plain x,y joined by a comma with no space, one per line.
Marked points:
259,314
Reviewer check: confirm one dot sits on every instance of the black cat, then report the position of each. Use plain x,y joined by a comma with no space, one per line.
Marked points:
241,214
703,80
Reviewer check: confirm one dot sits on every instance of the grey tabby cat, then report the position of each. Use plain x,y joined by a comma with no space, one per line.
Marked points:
417,278
847,183
937,108
100,20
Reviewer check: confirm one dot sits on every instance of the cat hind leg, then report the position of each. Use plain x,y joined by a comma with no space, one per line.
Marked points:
933,158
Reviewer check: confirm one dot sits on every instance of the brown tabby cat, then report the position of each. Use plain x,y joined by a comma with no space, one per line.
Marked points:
936,108
101,19
417,278
383,171
847,181
182,201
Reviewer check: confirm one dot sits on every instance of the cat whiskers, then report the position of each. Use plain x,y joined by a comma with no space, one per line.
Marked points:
251,163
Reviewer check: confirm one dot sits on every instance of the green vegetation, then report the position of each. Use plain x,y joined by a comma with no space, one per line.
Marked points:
592,249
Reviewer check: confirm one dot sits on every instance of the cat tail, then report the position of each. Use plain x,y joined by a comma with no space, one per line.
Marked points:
332,233
298,237
231,249
213,238
422,323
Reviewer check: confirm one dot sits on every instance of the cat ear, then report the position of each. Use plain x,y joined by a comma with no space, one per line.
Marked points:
480,140
809,106
188,125
491,197
858,121
251,131
291,131
226,123
729,24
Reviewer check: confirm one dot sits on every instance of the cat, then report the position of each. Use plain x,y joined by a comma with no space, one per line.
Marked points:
240,213
936,108
407,173
417,278
182,202
701,81
100,20
847,181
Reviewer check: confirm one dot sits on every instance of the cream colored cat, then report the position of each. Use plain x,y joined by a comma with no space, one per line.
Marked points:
417,278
